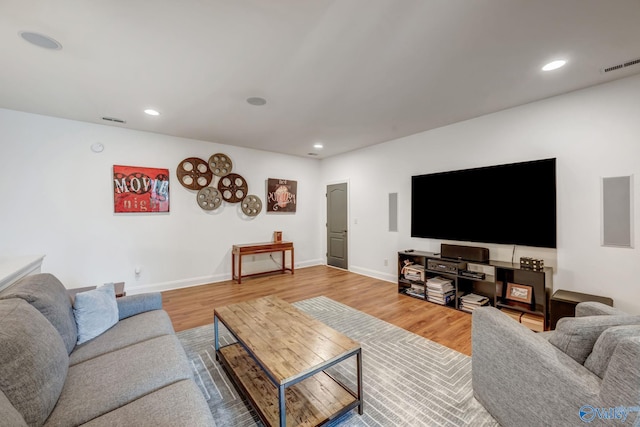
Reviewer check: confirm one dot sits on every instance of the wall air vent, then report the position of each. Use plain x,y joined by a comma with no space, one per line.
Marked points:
620,66
113,119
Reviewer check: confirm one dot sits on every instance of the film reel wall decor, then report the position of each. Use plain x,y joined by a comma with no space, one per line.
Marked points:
199,175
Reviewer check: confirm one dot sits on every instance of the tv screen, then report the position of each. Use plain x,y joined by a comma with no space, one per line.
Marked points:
509,204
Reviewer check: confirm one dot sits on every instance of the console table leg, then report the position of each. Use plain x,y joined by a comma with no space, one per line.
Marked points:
233,265
281,402
239,268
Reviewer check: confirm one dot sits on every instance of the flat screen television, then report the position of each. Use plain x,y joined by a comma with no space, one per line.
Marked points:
509,204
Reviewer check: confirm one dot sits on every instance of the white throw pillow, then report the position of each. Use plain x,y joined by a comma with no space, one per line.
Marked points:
95,311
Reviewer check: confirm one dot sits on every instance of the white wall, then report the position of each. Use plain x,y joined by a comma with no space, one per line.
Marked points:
593,133
56,198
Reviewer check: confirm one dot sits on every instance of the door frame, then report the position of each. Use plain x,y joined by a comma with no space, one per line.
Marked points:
326,220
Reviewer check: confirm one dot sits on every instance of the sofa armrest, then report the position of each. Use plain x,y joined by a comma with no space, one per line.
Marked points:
135,304
594,308
522,379
621,382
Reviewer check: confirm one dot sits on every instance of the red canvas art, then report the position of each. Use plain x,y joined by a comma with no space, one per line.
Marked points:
140,190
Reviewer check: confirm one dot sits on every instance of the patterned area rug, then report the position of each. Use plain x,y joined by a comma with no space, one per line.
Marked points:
408,380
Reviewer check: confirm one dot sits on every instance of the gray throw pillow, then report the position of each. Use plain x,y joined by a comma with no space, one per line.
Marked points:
576,336
95,312
33,361
49,296
598,360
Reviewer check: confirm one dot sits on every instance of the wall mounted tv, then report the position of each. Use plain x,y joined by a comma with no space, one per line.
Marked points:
510,204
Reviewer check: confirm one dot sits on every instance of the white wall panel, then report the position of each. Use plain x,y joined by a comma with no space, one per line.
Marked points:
57,199
592,133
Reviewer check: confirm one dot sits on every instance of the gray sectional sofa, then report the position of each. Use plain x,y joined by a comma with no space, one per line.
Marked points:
585,372
135,373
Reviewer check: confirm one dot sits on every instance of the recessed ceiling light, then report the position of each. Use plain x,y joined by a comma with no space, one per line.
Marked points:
256,100
554,65
151,112
40,40
318,146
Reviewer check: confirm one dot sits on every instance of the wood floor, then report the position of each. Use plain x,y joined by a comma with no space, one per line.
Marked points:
191,307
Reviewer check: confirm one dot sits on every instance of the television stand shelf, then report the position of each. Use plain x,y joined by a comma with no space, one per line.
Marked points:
497,276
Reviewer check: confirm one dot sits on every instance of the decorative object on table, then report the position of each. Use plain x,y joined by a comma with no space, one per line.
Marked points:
220,164
194,174
233,187
281,195
209,198
520,293
527,263
140,189
251,205
277,236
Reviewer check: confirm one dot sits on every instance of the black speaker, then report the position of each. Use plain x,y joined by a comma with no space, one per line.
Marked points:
467,253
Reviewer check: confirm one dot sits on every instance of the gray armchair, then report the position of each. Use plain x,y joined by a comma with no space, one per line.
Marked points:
587,370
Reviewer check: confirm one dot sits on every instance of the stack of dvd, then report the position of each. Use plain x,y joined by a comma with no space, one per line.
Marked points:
470,302
440,290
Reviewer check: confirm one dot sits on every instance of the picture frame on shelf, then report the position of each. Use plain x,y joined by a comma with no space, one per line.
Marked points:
520,293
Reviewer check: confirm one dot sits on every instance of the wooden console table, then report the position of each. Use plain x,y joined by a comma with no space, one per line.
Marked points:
259,248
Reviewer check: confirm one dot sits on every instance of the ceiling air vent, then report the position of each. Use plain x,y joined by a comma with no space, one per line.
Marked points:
620,66
113,119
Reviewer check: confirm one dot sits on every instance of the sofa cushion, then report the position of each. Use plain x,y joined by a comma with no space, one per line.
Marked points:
603,349
108,382
576,336
33,360
126,332
10,415
95,311
46,293
178,404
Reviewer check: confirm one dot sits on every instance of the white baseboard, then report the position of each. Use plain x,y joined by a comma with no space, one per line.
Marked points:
197,281
387,277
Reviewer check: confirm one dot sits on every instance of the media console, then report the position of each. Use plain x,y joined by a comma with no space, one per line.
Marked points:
489,279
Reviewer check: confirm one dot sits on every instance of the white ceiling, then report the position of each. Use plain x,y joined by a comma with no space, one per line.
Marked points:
346,73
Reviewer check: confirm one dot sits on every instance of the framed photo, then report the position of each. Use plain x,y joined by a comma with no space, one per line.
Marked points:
282,195
140,190
521,293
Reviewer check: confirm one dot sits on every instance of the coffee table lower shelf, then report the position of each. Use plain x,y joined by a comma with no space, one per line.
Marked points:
311,402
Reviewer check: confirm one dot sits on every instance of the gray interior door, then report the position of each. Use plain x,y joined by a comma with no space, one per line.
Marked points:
337,222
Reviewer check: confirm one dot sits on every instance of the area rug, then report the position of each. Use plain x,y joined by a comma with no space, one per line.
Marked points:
407,380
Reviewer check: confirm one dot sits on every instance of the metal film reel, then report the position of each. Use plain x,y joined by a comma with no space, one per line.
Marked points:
209,198
251,205
233,188
220,164
194,174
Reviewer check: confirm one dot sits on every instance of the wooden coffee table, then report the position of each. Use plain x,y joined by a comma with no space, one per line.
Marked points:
280,359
